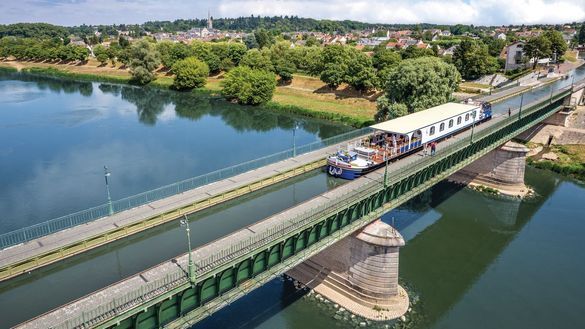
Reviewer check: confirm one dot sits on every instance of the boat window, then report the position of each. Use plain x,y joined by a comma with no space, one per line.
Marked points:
442,126
459,120
432,131
450,123
474,113
467,117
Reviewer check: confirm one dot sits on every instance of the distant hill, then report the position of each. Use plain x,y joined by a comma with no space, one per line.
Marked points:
279,23
274,23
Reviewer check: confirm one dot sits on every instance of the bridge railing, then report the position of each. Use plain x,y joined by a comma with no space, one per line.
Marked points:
81,217
118,305
407,166
261,240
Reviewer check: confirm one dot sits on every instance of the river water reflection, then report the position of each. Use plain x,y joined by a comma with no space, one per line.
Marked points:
58,134
473,260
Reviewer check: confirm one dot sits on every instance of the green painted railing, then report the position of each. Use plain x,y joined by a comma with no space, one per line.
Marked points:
239,250
61,223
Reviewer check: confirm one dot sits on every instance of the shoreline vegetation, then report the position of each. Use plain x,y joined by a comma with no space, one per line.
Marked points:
569,160
305,96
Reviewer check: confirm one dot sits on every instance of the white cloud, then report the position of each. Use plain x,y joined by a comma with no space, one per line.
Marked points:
478,12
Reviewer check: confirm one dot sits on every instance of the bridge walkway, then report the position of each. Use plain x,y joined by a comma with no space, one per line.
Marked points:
51,248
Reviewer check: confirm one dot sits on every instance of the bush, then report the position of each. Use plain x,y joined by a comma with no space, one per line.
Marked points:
249,86
189,73
144,59
285,70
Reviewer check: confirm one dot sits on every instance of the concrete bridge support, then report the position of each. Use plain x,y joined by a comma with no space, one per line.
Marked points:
501,169
359,273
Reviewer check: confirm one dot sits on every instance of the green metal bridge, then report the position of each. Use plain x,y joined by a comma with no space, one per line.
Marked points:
231,267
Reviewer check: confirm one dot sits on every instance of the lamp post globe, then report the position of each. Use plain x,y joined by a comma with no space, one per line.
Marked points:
107,174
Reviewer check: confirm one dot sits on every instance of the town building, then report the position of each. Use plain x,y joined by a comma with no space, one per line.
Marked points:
514,56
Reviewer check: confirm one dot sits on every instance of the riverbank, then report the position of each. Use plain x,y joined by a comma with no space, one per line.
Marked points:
560,149
306,96
567,160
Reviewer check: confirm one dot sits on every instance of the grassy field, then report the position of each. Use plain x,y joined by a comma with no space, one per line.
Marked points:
304,95
570,56
473,85
570,162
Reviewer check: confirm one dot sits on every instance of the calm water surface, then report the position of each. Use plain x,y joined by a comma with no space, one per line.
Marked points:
474,261
58,134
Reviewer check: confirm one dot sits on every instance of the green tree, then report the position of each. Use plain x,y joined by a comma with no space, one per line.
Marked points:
494,45
220,49
558,45
204,52
388,111
385,58
284,69
101,54
189,73
311,41
113,52
537,48
123,56
473,60
144,59
123,41
581,34
235,52
248,86
334,74
263,38
258,59
226,64
335,60
421,83
250,41
306,59
415,52
360,73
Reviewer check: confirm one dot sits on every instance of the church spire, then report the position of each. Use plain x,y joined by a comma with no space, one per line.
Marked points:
209,20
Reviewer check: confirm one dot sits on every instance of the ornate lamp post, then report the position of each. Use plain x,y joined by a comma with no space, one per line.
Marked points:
473,114
294,139
107,174
520,109
185,223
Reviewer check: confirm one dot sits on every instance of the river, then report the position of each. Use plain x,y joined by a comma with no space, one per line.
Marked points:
472,260
63,132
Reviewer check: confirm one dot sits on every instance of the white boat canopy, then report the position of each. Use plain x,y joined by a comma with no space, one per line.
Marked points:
418,120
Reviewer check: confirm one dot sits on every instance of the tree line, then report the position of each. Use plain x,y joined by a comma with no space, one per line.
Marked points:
45,50
412,78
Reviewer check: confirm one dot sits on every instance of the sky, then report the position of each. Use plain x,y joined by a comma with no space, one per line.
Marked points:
477,12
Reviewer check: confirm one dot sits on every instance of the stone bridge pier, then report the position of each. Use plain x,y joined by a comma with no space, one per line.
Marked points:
359,273
501,169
